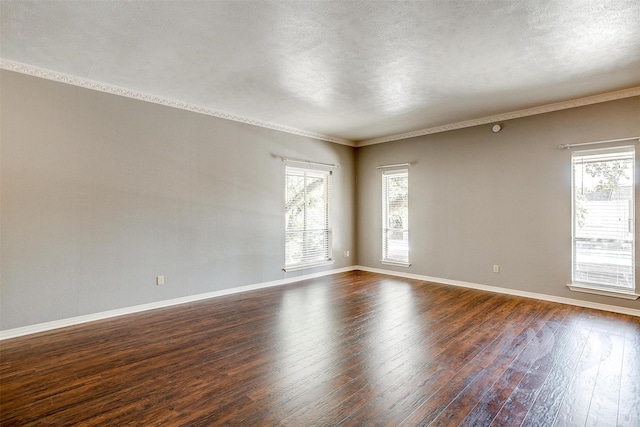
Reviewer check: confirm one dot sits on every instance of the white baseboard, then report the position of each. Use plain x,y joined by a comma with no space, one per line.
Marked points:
47,326
534,295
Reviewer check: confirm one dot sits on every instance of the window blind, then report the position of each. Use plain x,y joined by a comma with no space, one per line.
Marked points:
395,216
307,231
603,217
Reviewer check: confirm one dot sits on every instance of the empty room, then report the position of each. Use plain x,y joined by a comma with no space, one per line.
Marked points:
319,213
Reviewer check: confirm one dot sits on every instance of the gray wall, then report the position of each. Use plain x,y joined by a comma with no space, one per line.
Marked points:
477,198
100,193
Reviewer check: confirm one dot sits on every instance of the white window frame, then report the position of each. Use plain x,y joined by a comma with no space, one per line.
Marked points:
386,259
327,258
595,287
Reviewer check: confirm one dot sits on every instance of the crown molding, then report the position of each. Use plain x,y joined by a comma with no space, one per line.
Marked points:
115,90
548,108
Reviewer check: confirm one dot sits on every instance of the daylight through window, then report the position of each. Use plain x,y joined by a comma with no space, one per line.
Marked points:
395,217
308,232
603,218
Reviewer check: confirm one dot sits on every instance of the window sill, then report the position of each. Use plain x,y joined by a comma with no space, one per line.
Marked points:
395,263
609,292
305,266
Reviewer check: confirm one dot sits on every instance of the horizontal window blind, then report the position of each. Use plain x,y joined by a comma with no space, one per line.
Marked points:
603,217
307,232
395,216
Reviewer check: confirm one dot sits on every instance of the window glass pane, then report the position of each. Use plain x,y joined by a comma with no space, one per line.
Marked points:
316,206
395,213
603,223
293,245
295,202
307,239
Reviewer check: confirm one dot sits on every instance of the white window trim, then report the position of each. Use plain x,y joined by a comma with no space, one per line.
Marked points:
314,167
588,288
391,170
298,267
395,264
594,288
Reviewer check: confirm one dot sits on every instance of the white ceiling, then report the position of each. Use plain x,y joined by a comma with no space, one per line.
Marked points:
348,70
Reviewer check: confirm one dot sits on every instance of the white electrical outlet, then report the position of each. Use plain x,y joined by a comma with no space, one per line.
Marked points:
496,268
159,280
346,254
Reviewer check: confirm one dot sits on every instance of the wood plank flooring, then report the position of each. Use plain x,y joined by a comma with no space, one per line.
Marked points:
352,349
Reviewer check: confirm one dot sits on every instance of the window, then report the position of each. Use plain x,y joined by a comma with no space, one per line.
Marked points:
603,219
395,217
308,232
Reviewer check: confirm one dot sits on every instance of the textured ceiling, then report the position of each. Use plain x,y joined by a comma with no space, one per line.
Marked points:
352,70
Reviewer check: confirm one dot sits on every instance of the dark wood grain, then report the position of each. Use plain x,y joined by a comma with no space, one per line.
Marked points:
350,349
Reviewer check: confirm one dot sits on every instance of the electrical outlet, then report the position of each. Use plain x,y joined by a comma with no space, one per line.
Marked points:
159,280
496,268
346,254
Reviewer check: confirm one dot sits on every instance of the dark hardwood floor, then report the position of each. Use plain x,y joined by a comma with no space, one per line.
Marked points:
353,349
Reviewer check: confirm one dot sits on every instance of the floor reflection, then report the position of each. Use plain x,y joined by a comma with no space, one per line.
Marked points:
391,354
306,335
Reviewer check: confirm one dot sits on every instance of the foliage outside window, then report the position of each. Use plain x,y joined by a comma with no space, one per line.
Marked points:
395,217
307,231
603,218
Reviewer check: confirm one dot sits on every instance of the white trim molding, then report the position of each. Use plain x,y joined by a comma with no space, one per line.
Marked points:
62,323
299,267
542,109
526,294
395,264
30,70
56,324
128,93
577,287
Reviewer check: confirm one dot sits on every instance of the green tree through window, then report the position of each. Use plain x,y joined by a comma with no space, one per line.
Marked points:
307,233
